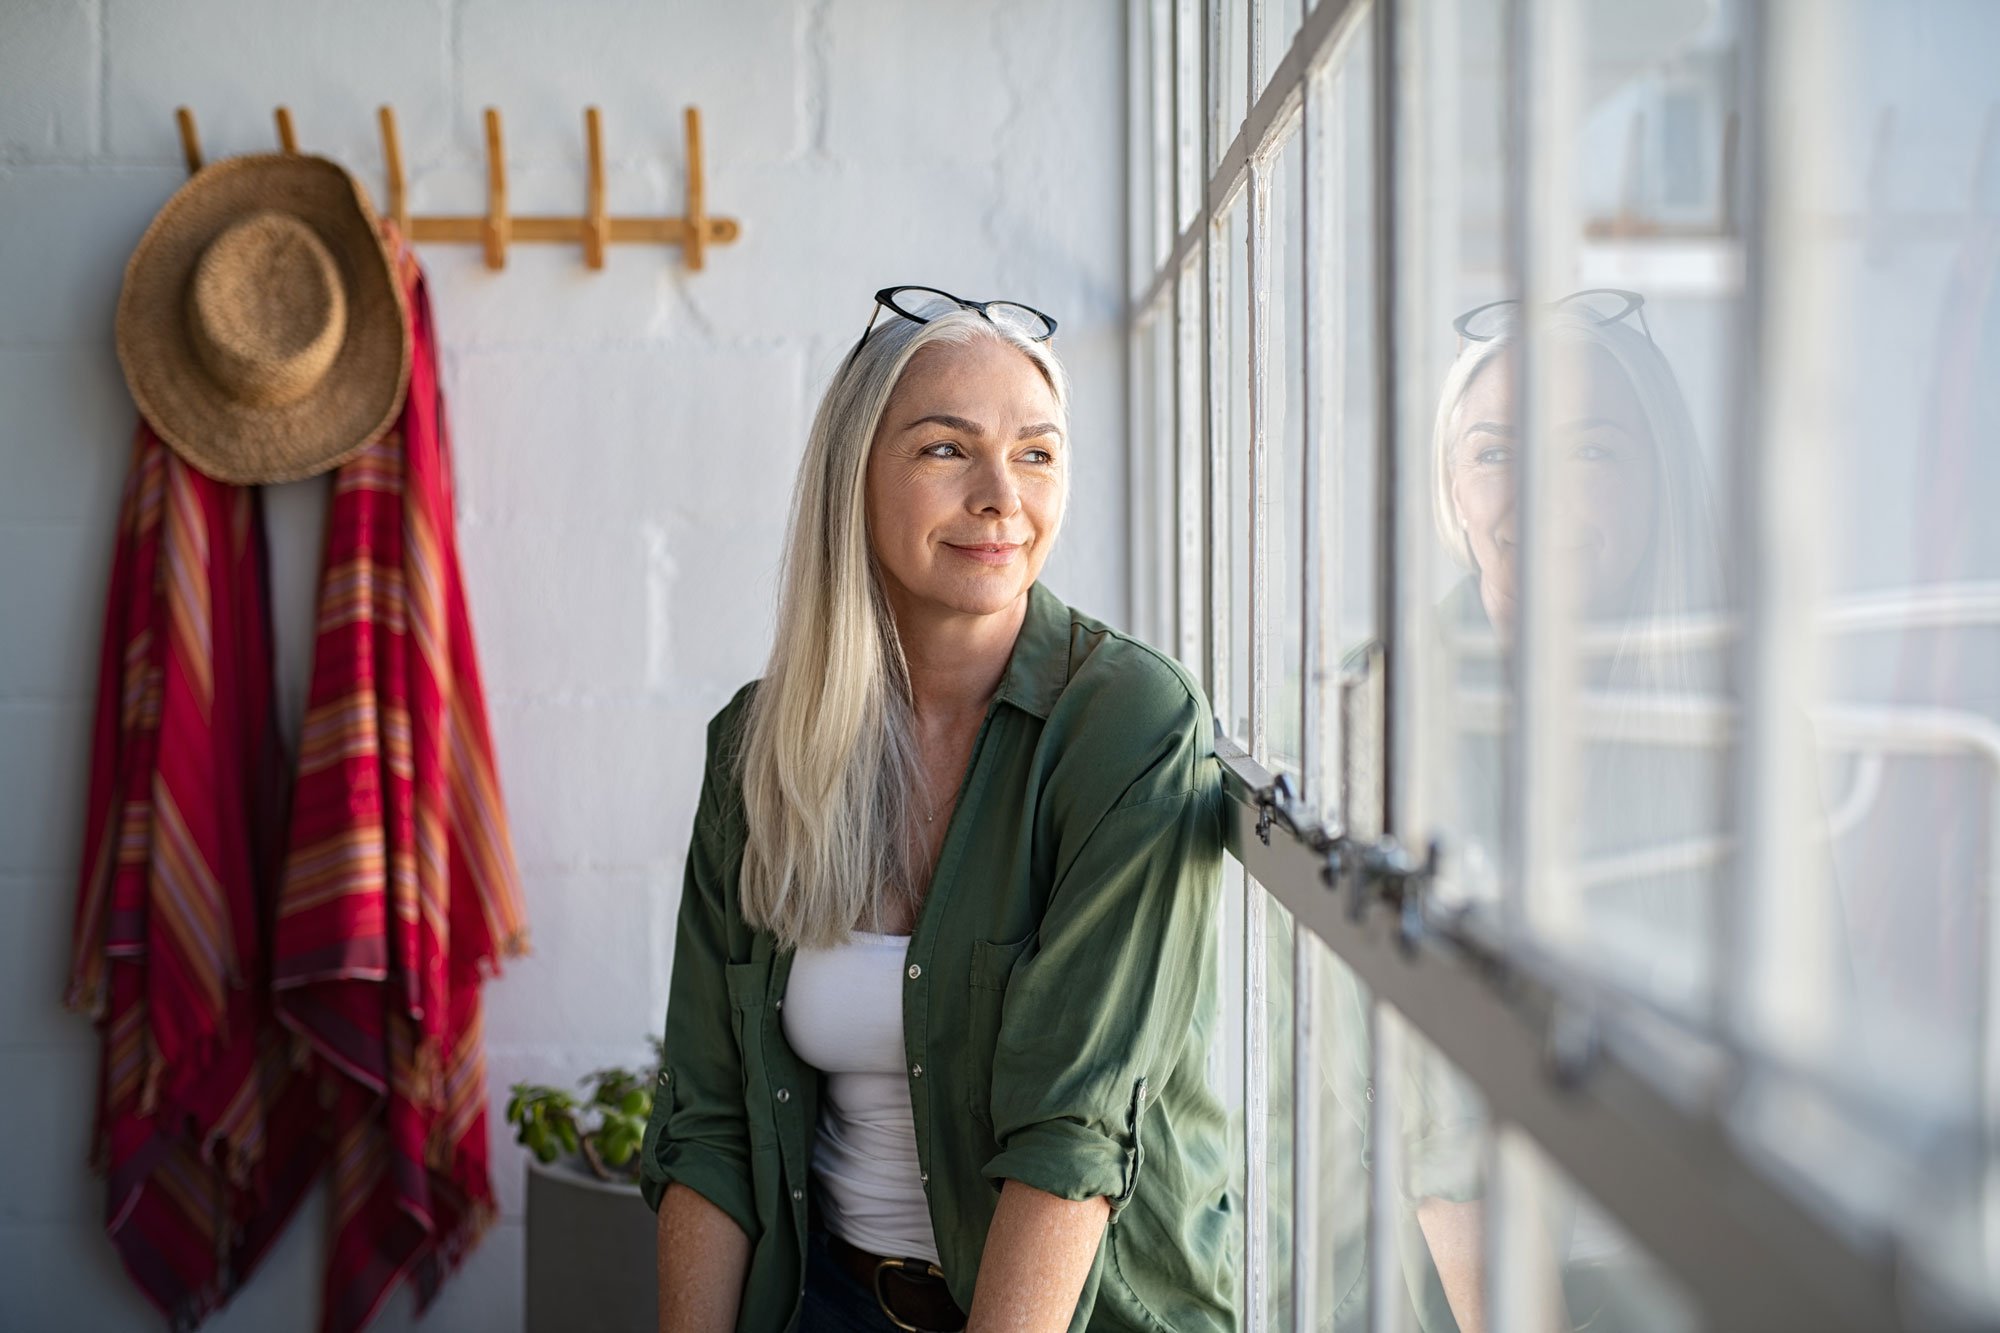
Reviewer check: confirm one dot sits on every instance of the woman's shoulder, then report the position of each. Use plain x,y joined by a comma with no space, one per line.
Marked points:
1130,714
1111,671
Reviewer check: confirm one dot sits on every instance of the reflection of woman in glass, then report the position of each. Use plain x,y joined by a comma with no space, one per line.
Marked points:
1636,574
1636,548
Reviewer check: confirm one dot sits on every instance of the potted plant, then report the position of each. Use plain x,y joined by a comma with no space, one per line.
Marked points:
590,1236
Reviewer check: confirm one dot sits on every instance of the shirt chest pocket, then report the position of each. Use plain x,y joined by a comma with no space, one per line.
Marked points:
749,984
992,968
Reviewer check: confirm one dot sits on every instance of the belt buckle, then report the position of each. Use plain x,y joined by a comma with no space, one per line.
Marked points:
902,1265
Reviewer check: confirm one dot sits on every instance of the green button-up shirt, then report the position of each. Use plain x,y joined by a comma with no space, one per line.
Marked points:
1057,1006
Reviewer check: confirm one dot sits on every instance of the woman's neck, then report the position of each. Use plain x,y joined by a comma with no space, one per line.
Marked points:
955,659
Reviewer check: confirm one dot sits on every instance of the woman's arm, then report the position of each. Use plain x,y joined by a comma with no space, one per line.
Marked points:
704,1257
1038,1253
1456,1234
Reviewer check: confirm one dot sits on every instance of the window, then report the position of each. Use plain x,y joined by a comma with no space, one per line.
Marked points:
1562,434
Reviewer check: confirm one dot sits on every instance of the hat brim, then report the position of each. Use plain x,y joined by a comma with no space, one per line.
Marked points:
361,393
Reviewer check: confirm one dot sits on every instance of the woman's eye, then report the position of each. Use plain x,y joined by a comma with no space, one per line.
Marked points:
1592,453
1041,456
1494,456
932,450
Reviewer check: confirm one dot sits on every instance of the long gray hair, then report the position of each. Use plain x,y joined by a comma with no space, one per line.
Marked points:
829,759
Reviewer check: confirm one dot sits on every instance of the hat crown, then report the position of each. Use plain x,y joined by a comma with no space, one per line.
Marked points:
266,309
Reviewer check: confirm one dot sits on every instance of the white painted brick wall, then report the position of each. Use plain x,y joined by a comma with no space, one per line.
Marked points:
625,444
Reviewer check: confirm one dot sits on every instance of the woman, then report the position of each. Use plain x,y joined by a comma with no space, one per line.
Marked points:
943,980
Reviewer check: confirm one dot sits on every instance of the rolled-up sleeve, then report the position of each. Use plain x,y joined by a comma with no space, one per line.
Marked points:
698,1133
1099,1009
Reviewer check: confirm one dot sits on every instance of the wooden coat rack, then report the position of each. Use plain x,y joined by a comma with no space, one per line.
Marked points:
496,229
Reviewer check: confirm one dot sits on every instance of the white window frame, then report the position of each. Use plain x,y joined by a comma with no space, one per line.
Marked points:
1559,1057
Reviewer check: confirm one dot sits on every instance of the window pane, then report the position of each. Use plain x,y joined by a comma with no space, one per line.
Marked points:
1191,172
1281,24
1339,1068
1143,175
1191,471
1340,123
1586,436
1279,1065
1438,1209
1454,157
1285,445
1231,389
1572,1266
1152,477
1883,371
1228,73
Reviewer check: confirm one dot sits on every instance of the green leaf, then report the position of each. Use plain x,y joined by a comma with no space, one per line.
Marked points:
616,1145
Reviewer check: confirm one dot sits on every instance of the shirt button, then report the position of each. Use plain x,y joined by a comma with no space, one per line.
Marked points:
797,1195
916,1071
915,971
663,1078
784,1094
924,1176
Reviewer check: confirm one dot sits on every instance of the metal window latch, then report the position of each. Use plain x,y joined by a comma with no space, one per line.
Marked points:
1274,805
1404,881
1382,870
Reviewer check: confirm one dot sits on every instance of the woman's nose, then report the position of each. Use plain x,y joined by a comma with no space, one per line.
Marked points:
993,490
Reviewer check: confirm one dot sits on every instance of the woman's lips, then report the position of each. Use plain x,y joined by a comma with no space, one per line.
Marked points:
988,553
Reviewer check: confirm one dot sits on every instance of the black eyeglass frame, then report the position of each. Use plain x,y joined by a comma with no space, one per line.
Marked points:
1634,303
887,297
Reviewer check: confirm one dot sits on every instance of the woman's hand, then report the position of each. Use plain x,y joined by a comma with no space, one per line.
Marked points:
1038,1252
704,1257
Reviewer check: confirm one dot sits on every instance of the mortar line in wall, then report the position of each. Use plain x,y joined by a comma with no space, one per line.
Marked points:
454,56
103,78
815,87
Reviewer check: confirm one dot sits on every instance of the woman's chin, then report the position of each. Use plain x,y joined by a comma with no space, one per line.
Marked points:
982,594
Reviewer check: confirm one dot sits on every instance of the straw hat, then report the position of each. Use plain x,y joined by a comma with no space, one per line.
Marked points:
261,326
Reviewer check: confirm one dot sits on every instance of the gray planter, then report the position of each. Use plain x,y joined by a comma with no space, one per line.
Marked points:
592,1251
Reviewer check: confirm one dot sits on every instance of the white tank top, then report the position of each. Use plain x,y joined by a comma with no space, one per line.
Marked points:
843,1014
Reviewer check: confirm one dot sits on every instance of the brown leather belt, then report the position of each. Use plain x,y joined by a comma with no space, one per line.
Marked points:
911,1292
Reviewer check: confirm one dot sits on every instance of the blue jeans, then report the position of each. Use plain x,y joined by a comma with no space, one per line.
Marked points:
834,1301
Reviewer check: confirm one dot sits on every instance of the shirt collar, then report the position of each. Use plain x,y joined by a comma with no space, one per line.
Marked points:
1039,667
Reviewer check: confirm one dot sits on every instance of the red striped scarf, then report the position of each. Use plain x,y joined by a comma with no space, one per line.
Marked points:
400,891
202,1129
398,883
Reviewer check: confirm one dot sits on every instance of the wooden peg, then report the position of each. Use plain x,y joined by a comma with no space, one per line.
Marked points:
392,161
596,227
695,238
496,231
190,141
286,139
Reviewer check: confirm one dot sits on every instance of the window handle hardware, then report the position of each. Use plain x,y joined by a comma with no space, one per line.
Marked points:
1572,1044
1386,871
1275,805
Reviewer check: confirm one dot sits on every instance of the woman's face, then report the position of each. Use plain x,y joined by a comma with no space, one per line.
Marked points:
1607,498
966,478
